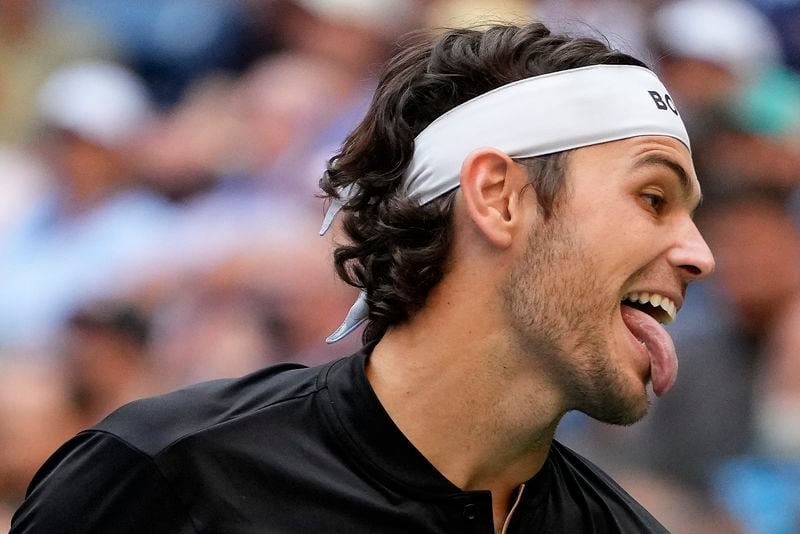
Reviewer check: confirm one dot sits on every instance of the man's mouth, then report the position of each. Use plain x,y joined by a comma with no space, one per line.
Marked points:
659,307
642,312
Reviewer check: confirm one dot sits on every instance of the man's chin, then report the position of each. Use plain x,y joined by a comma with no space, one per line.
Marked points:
619,410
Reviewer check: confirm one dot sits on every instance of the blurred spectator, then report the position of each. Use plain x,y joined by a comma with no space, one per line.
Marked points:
33,43
785,16
706,49
96,222
770,104
736,158
171,43
622,22
341,45
24,179
778,390
756,137
356,35
679,508
757,246
283,105
763,487
259,132
104,350
260,290
185,150
460,13
35,418
206,331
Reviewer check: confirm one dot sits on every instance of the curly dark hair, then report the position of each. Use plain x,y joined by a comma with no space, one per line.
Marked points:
397,250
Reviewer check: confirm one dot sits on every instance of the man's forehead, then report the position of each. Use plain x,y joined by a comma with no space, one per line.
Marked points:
637,155
672,156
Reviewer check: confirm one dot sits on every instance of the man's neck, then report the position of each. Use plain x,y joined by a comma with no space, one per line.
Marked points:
474,409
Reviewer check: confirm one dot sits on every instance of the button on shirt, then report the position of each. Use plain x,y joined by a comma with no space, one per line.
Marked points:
291,449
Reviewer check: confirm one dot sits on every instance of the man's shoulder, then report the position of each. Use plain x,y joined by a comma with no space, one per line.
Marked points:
588,483
153,424
165,461
566,457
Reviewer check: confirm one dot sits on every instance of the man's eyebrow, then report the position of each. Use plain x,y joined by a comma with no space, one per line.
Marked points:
675,167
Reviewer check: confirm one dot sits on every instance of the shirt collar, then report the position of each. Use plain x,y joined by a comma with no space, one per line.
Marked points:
355,414
368,433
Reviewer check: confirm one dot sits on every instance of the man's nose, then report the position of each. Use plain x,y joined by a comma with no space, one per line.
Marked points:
691,254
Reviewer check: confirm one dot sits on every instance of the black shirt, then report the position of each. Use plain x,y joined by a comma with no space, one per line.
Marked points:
291,449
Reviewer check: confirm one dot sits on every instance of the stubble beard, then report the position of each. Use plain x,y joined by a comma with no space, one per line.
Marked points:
557,308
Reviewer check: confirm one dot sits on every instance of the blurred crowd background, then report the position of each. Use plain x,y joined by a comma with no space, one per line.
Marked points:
159,163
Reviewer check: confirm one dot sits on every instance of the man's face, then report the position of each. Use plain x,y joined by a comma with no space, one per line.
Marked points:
623,226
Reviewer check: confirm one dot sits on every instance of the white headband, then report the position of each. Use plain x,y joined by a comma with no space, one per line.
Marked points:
531,117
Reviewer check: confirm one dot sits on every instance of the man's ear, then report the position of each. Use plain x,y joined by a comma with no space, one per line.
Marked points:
490,185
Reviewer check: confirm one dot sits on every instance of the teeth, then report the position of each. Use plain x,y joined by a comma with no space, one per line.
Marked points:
655,300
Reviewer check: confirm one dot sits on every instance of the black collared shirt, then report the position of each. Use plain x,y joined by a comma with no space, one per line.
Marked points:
291,449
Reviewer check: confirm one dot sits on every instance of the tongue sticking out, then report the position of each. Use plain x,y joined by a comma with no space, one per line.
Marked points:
663,359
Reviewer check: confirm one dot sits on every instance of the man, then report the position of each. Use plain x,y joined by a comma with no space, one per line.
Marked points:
502,289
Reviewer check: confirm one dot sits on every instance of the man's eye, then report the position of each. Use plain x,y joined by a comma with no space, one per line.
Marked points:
656,201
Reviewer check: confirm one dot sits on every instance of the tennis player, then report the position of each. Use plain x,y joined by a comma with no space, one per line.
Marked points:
516,208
